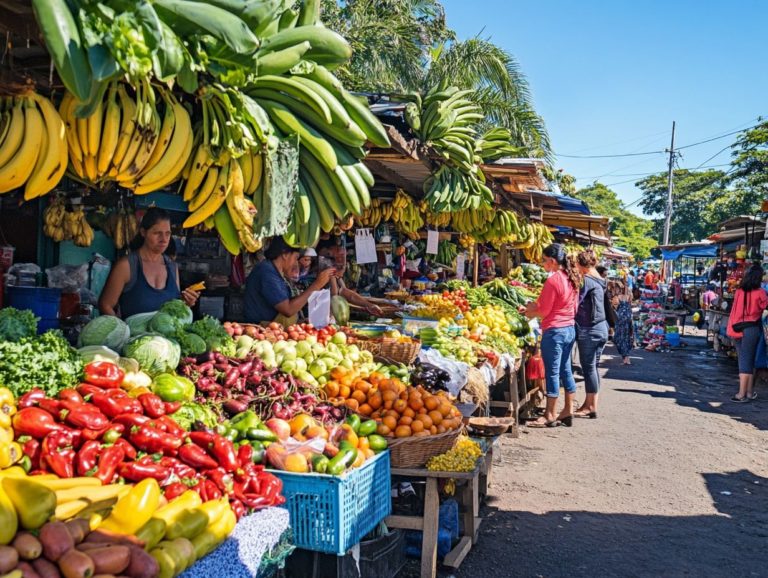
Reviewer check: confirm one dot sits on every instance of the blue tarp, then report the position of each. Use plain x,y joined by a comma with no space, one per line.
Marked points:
691,252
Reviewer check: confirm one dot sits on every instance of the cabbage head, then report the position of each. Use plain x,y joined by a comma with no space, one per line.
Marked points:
139,323
178,309
164,324
155,353
106,330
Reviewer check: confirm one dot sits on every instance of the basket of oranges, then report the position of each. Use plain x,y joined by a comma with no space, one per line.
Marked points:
417,423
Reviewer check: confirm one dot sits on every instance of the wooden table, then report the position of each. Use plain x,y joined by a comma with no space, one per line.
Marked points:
518,396
429,522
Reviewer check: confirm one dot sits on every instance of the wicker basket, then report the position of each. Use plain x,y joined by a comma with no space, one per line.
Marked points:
414,452
398,351
372,345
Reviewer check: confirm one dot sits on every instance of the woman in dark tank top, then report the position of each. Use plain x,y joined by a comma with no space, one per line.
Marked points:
146,278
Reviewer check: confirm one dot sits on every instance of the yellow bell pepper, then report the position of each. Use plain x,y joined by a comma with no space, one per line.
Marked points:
134,510
34,502
10,454
14,472
5,419
6,435
207,541
7,400
171,511
9,520
215,509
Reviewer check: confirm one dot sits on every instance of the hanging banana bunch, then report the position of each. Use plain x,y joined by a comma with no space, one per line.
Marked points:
468,221
61,224
53,220
373,215
33,149
121,226
433,219
496,143
406,215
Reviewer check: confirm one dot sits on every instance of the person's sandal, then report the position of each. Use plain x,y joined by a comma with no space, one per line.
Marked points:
753,395
553,423
737,399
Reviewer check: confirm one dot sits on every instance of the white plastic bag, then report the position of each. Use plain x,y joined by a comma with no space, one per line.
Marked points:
457,370
319,306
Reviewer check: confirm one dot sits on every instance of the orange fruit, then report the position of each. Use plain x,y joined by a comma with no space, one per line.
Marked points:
408,412
363,386
393,413
344,391
364,409
421,434
417,426
383,430
332,389
359,396
445,408
317,431
403,431
422,410
426,420
441,429
415,403
390,422
436,416
431,403
433,430
363,444
389,395
301,422
375,400
352,404
296,463
400,405
405,420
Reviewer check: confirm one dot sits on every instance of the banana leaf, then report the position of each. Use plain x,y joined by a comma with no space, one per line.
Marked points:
278,190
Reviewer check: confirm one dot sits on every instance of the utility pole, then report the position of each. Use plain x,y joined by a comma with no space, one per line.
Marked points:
668,211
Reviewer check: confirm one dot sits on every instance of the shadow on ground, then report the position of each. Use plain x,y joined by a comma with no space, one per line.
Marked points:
702,379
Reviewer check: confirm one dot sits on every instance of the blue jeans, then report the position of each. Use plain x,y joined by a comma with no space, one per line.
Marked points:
591,342
556,348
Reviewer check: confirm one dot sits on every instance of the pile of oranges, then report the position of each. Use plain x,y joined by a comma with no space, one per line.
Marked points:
399,409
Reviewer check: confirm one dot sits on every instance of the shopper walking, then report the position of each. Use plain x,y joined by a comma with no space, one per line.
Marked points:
556,307
591,329
745,326
624,335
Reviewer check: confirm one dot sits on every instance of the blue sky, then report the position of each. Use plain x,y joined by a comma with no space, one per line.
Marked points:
609,77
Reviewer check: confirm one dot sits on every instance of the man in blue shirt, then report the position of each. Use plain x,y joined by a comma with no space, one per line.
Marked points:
267,291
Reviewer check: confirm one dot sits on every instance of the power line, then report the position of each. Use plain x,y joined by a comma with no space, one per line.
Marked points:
722,150
609,156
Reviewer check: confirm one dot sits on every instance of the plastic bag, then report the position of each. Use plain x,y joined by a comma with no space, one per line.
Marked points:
100,268
68,278
457,370
22,274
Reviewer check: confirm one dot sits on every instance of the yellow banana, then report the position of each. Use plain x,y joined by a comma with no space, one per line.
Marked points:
217,198
95,122
110,133
65,111
257,171
52,161
200,162
170,166
206,189
89,165
17,170
127,126
15,135
246,166
166,133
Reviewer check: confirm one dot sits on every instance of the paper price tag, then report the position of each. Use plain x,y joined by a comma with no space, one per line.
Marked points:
461,261
433,239
365,247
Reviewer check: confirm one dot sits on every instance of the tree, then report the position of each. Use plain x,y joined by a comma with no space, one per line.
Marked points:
405,45
630,231
749,167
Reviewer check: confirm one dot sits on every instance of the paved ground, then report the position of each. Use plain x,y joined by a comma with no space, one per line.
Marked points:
671,480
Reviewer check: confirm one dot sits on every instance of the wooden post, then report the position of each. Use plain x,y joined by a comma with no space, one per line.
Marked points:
504,256
476,266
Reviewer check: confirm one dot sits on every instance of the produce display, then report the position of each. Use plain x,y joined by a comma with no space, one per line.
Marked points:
462,457
63,224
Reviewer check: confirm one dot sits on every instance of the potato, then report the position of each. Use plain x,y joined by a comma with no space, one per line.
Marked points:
56,540
9,557
27,571
46,568
110,559
79,528
142,565
76,564
27,546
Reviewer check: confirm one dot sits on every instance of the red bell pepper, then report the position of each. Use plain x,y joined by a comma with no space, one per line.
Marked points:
83,416
86,389
237,507
129,420
136,471
169,424
271,487
176,467
57,452
245,455
151,440
70,394
52,406
92,434
196,457
104,374
31,398
202,438
32,449
109,460
222,479
114,405
87,458
35,422
174,490
224,452
128,449
201,489
153,405
171,407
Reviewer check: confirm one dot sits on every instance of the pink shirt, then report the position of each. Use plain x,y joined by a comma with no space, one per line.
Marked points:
558,302
746,309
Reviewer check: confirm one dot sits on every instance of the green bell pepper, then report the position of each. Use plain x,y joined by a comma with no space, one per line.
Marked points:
244,421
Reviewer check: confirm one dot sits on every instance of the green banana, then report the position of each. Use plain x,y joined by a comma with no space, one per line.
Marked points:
325,185
298,91
226,230
63,41
282,61
288,19
328,47
309,14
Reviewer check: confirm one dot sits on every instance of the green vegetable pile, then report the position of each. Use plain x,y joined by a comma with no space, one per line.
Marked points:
47,362
215,336
16,324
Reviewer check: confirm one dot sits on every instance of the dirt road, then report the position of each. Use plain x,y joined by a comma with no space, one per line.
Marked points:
670,480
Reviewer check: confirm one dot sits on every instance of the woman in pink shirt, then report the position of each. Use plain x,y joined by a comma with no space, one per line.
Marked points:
745,325
557,306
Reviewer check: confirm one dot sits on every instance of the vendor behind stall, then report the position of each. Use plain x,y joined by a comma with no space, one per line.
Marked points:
147,277
268,294
333,252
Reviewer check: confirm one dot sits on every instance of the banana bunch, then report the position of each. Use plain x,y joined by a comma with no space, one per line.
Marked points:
61,224
503,229
532,239
377,213
496,143
434,219
126,141
406,215
468,221
33,150
121,226
450,189
466,241
446,254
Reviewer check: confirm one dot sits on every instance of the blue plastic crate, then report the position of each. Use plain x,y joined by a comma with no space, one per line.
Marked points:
332,513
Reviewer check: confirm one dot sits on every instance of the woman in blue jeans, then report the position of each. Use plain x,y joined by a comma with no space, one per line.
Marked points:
591,329
557,308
